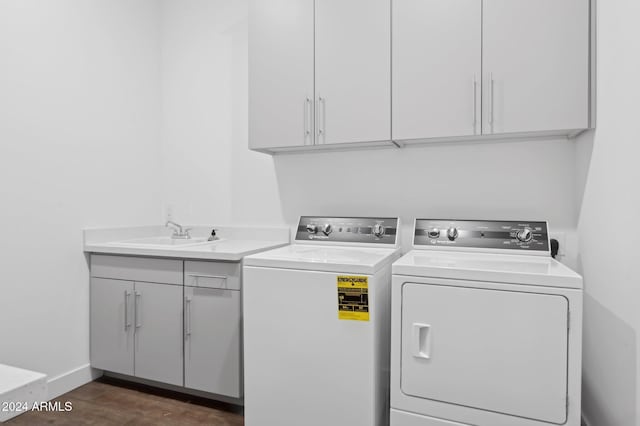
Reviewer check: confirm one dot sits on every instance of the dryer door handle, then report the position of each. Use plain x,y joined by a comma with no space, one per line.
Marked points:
421,341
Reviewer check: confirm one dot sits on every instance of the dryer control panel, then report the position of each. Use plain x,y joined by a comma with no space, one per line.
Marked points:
522,236
348,229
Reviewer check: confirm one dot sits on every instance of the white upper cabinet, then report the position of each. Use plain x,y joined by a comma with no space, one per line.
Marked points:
437,48
353,71
281,86
536,65
367,72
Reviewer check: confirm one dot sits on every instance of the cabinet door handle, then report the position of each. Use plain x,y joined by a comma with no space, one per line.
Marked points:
491,106
307,120
196,276
475,104
187,317
136,319
320,118
195,279
127,324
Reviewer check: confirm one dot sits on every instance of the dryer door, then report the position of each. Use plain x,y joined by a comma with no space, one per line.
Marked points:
494,350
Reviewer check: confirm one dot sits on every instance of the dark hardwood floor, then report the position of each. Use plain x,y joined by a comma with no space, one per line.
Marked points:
114,402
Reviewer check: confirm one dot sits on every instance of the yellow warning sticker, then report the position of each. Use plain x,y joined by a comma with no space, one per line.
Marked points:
353,298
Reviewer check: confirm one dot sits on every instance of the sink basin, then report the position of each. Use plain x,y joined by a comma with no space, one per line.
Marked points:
166,242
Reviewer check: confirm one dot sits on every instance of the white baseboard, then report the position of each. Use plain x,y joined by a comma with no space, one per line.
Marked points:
70,380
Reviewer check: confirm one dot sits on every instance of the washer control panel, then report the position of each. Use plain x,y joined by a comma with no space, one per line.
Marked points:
348,229
482,234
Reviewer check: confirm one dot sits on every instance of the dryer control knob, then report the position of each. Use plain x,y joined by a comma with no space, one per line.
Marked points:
327,229
452,233
312,229
525,235
378,230
434,233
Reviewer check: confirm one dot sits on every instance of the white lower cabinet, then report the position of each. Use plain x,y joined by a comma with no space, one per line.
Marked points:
136,329
212,341
164,331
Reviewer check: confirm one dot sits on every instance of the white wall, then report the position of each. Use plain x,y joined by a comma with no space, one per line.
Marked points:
458,181
79,125
208,174
609,208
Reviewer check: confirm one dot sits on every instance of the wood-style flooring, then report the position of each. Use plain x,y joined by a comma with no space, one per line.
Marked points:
113,402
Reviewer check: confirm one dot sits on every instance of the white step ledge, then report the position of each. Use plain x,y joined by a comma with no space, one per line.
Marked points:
19,390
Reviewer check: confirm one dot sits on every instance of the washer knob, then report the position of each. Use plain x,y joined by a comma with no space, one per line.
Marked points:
312,229
378,230
452,233
525,235
327,229
434,233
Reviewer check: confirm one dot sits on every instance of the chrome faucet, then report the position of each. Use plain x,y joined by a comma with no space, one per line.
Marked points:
178,231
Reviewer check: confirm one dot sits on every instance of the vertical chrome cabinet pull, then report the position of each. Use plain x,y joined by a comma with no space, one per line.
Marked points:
187,319
127,324
138,296
475,105
320,117
307,120
491,106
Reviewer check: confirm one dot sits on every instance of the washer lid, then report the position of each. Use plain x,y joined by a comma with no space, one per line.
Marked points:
357,260
512,269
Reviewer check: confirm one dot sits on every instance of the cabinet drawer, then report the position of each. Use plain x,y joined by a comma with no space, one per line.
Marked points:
225,275
146,269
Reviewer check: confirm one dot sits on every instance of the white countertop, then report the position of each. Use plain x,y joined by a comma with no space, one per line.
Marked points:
233,245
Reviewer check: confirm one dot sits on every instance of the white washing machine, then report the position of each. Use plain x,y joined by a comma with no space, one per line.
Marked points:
486,328
317,325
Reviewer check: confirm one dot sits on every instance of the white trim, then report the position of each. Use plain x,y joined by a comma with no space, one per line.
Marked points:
70,380
347,146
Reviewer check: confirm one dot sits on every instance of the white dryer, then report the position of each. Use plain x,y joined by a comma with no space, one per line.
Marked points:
486,328
317,325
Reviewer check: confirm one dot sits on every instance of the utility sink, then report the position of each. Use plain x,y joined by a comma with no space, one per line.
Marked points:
166,242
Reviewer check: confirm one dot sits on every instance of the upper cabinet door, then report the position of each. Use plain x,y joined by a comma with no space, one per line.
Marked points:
437,48
536,65
280,73
353,71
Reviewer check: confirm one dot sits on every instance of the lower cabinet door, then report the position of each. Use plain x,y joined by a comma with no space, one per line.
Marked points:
158,330
112,325
213,341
